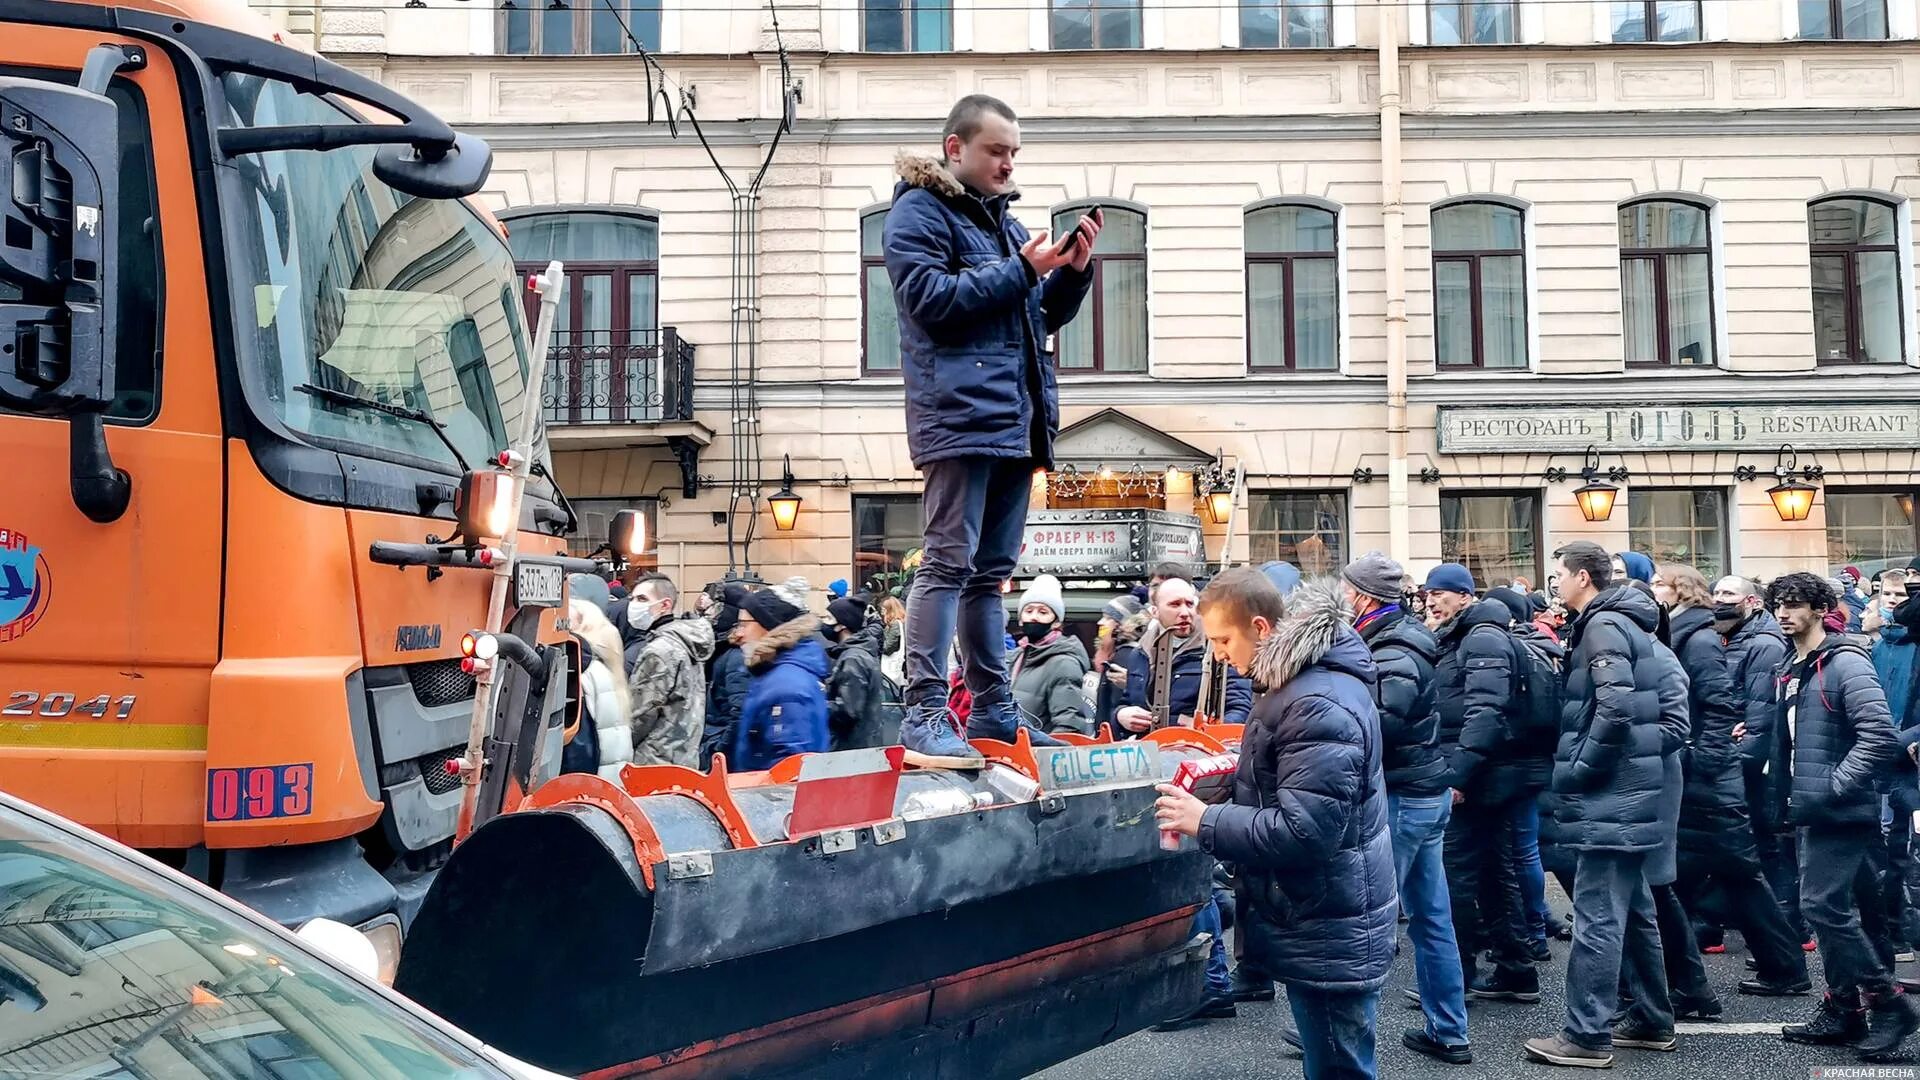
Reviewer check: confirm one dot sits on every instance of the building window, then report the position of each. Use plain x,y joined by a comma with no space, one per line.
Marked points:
1872,530
1305,528
1110,332
1656,20
537,29
1479,286
605,363
1843,20
1293,293
1290,24
1857,296
1666,283
887,533
1473,22
1680,525
1096,24
592,517
1496,535
906,25
879,319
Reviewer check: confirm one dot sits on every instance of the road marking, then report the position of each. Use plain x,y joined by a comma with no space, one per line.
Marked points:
1728,1029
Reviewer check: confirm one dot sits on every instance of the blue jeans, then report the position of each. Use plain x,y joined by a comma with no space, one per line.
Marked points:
1207,921
1419,830
1336,1031
1523,852
1616,941
976,513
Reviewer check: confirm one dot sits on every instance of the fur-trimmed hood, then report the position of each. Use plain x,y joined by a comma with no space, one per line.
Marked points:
787,635
930,171
1314,631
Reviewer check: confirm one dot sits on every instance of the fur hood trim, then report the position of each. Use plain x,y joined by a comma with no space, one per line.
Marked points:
929,171
780,639
1315,613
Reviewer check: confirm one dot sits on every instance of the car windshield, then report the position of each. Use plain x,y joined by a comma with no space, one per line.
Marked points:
357,290
109,971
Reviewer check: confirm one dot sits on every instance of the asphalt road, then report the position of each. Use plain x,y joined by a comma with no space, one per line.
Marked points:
1744,1045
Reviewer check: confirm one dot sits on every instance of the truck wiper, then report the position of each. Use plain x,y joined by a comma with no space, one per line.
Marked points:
341,397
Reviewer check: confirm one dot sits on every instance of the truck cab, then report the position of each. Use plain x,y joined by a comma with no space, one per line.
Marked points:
250,327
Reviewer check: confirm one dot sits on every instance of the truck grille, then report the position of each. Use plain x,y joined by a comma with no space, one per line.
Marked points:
440,682
433,771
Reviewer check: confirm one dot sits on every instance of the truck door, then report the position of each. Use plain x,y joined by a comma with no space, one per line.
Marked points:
109,631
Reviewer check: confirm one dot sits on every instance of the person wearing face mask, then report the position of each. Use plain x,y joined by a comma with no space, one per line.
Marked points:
668,685
1050,666
1852,600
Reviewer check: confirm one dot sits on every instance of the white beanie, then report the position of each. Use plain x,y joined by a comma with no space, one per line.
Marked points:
1046,590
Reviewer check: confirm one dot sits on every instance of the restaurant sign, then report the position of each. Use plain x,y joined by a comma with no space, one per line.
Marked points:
1123,543
1810,426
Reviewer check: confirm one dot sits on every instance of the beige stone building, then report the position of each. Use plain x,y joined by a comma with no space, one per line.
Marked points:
1667,260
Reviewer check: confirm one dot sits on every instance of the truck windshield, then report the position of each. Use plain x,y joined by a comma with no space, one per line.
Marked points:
360,291
108,970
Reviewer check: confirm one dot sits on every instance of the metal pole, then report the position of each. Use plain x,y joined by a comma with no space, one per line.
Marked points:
518,461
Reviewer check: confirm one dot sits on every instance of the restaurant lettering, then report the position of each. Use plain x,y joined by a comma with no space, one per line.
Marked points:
1818,425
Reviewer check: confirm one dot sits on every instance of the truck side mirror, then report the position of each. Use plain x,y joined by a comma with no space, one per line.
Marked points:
59,223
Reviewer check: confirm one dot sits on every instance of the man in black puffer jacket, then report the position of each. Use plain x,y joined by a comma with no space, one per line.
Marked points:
1757,652
1619,787
1716,840
1843,751
1307,829
1418,802
1480,719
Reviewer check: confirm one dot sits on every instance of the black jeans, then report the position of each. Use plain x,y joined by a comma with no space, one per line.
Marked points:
1774,844
1834,860
1743,899
1485,895
1686,971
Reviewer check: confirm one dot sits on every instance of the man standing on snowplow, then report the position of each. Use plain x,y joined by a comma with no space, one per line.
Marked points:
979,303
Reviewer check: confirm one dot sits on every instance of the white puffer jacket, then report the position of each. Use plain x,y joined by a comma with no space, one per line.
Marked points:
603,687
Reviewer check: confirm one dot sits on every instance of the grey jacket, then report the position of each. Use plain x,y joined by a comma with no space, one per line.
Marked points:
1048,684
669,690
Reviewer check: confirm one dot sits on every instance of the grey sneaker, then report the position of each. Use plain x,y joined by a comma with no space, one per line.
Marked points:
1562,1051
1632,1036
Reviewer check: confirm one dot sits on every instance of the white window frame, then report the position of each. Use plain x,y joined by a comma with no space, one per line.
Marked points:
1903,246
1532,27
1903,20
1339,213
1716,271
1714,25
1531,274
1344,27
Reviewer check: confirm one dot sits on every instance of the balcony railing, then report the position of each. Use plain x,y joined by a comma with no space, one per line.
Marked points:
618,377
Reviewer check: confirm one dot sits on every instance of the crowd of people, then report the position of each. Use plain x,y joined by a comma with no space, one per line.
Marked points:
1683,757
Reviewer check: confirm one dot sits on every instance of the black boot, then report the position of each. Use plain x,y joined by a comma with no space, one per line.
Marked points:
1835,1023
1508,984
1209,1008
1251,989
1891,1017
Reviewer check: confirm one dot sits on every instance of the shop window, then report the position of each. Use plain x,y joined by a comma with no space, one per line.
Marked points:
906,25
580,29
1656,20
593,516
1873,530
1293,289
1857,292
887,531
1305,528
1680,525
1496,535
1666,283
1843,20
1479,286
1110,332
879,319
1288,24
1095,24
1473,22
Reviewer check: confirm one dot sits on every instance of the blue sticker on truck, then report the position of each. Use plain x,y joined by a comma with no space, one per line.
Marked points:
260,791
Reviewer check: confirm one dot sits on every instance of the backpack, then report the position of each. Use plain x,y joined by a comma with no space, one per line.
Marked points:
1541,691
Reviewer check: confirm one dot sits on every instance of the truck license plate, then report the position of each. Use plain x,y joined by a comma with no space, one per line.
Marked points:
537,585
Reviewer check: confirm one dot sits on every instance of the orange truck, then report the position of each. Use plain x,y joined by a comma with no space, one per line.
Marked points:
254,345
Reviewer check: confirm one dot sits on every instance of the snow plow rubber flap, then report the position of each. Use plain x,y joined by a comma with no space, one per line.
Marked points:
621,933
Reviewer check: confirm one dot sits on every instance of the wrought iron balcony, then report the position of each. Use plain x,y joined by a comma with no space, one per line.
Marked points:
618,377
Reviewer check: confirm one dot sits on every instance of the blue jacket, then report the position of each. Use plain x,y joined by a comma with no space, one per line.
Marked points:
786,708
974,323
1893,661
1188,666
726,695
1307,829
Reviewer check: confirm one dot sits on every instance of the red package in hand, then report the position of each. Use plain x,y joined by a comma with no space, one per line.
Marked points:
1210,779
